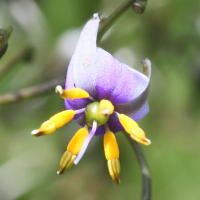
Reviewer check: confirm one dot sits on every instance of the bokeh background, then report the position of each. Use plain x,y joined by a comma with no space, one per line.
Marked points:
168,33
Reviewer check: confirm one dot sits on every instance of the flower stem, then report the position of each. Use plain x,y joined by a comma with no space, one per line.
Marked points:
20,55
106,23
30,92
146,193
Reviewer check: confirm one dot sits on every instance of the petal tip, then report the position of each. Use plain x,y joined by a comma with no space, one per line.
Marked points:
95,16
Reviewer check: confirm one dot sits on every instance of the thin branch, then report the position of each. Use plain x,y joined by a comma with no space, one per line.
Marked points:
20,55
146,193
31,91
106,23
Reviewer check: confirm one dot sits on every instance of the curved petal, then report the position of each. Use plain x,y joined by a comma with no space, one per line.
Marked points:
125,87
100,131
84,57
73,104
132,107
114,124
141,113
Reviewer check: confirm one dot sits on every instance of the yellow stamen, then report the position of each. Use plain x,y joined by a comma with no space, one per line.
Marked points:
54,122
111,148
62,118
106,107
73,93
46,128
127,123
114,170
66,162
144,141
76,142
133,129
73,149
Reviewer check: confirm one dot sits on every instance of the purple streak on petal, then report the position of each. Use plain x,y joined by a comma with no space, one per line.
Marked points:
85,143
79,111
100,131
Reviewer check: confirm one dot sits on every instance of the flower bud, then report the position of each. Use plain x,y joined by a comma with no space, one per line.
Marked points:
5,33
139,6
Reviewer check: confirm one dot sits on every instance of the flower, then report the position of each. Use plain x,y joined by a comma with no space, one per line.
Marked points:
103,95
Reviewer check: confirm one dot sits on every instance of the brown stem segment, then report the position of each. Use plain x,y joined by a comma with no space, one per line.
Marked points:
146,193
106,23
31,91
20,55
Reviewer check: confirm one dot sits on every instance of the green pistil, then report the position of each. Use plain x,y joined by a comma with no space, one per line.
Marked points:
92,112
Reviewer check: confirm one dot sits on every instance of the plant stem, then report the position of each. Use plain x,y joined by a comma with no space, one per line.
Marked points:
146,193
106,23
30,92
20,55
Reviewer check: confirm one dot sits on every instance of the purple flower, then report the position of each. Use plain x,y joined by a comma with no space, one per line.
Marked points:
103,94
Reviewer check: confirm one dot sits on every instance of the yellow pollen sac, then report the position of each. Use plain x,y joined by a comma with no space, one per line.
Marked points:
133,129
54,122
62,118
66,162
76,142
106,107
111,148
127,123
46,128
114,170
137,136
73,93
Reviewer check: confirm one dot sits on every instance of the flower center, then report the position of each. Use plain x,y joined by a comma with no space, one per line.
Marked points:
92,112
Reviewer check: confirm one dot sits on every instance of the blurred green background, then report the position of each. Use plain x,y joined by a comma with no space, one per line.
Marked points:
168,33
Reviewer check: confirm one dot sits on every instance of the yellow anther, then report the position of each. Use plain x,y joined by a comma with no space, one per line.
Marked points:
66,162
46,128
73,93
62,118
133,129
106,107
76,142
114,170
127,123
136,133
54,122
111,148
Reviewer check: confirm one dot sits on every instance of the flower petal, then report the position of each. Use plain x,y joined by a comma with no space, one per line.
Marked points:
125,87
73,104
84,58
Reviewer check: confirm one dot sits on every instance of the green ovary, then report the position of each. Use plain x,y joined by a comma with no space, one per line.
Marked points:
92,112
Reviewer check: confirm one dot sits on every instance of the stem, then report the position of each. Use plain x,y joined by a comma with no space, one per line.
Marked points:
23,54
106,23
31,91
146,193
